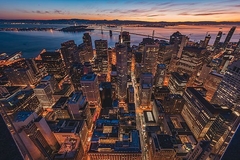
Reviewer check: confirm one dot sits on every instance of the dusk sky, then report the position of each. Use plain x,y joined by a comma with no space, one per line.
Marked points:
148,10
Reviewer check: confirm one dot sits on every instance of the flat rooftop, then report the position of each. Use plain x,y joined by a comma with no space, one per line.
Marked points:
69,126
148,115
46,78
88,77
22,116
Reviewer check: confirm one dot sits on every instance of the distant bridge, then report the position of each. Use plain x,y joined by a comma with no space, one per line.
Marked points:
139,34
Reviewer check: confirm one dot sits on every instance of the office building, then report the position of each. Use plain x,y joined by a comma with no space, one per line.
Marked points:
229,36
49,79
72,136
90,88
125,36
68,50
121,55
177,83
45,95
106,94
145,89
228,91
34,137
198,113
160,75
150,55
54,64
204,44
217,40
130,94
76,73
173,103
20,76
108,143
75,104
87,40
101,55
161,147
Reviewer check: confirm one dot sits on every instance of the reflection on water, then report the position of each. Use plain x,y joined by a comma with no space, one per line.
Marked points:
32,42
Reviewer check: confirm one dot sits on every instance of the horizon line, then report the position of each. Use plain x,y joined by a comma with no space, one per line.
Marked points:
119,20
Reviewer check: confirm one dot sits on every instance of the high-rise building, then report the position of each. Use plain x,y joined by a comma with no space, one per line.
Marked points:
125,36
228,91
106,94
229,36
161,147
204,44
145,89
150,55
198,113
102,55
121,55
177,83
173,104
217,40
20,76
130,94
87,40
68,49
90,88
49,79
45,95
75,104
160,75
54,64
34,136
76,73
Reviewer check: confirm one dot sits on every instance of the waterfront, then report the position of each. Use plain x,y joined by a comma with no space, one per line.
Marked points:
32,42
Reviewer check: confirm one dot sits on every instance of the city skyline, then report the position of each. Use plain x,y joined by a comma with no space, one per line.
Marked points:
171,11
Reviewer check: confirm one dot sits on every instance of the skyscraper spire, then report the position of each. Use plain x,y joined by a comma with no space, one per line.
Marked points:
121,39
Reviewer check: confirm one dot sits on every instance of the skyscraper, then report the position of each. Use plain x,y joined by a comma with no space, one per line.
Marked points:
68,49
145,89
204,43
125,38
45,95
228,91
87,40
160,75
150,55
90,88
54,64
102,55
121,54
217,40
229,36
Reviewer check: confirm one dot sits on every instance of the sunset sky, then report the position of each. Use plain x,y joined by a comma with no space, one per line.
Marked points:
148,10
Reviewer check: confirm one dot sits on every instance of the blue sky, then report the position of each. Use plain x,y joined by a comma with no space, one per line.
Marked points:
148,10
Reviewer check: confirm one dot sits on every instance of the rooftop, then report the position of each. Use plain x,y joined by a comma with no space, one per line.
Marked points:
88,77
69,126
22,116
46,78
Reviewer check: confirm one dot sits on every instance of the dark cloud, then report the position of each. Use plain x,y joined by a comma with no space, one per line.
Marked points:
153,15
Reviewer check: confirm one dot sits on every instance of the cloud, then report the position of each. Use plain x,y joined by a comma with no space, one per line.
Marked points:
43,12
153,15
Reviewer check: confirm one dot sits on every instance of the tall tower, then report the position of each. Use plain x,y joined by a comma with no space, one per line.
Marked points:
229,36
125,38
150,55
87,40
102,55
206,41
68,49
217,40
54,64
90,88
160,75
228,91
121,55
145,89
